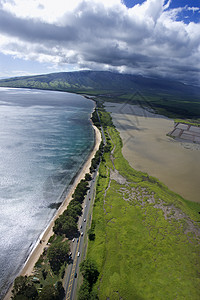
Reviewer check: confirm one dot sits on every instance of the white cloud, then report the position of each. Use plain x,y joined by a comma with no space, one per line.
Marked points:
166,6
193,9
45,10
102,34
48,10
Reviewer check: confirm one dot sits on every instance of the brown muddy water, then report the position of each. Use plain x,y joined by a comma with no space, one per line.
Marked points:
147,148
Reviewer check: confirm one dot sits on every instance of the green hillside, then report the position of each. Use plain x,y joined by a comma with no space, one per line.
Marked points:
168,97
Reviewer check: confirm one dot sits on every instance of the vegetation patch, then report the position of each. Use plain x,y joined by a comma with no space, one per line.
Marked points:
49,271
171,98
90,275
147,237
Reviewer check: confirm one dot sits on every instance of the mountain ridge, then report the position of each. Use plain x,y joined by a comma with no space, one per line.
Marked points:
164,95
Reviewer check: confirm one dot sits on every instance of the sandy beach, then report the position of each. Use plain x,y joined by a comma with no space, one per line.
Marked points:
38,250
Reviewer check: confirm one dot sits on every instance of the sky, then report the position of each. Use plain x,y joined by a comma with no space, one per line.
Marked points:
149,38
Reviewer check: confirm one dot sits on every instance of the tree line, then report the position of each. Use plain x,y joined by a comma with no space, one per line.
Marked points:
58,252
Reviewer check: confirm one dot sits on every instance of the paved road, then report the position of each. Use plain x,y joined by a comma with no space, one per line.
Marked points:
70,282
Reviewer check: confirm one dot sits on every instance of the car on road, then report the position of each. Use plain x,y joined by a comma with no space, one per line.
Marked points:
84,220
75,275
85,205
80,226
77,240
81,233
73,240
78,254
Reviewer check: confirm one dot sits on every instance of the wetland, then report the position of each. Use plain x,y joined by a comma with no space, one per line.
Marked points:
147,148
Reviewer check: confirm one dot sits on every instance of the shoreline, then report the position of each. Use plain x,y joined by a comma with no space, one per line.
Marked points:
148,149
33,257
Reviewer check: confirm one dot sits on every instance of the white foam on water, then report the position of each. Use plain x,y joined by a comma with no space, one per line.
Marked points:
42,145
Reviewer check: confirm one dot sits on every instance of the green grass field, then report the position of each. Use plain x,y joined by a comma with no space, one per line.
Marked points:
146,237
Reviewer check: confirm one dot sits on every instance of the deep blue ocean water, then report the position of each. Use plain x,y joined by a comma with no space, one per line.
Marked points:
45,137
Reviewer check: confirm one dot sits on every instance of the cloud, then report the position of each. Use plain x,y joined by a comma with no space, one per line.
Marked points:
101,34
166,6
193,9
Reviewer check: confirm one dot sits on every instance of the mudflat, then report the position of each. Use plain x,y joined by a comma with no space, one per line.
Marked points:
148,148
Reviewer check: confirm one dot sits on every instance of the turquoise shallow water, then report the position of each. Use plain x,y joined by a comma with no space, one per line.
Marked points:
45,137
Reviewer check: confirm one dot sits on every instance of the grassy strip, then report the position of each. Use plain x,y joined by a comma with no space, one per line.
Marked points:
195,122
146,244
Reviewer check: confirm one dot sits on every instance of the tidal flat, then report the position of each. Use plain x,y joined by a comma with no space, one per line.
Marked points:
147,148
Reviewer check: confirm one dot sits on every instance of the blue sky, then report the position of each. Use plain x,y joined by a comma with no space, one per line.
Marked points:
151,37
186,15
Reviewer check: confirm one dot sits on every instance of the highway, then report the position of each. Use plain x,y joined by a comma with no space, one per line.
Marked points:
70,281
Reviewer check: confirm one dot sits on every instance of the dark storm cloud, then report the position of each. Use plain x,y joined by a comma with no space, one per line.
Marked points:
33,30
145,39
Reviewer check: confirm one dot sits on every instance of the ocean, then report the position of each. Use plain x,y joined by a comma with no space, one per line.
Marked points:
45,137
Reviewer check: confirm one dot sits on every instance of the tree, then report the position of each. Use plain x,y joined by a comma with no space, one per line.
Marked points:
81,191
20,284
24,289
89,271
58,254
88,177
57,229
71,212
91,235
60,289
84,291
20,297
31,292
94,295
65,224
75,205
69,227
49,292
44,274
